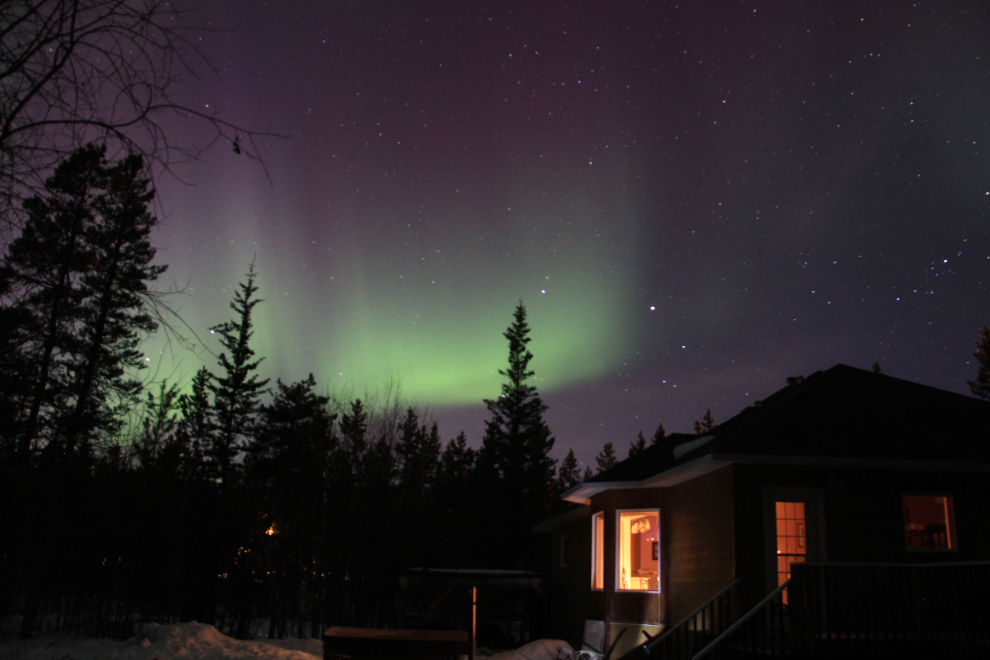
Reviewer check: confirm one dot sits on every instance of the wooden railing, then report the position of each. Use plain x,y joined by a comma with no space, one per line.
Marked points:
693,633
876,610
763,631
866,611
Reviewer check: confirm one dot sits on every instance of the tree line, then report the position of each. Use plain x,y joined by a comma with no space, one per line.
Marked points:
236,500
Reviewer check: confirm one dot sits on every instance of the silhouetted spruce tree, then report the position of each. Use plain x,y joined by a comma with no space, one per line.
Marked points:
638,445
76,283
286,464
981,386
353,427
705,424
457,461
158,439
237,390
658,435
13,379
77,280
516,448
606,458
588,474
44,267
455,505
114,315
568,474
418,454
197,427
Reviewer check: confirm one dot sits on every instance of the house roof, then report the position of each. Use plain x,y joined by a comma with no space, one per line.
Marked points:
842,415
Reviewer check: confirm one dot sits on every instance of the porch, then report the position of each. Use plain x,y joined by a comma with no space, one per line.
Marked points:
843,610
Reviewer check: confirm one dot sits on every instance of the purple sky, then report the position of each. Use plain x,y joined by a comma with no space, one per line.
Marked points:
693,200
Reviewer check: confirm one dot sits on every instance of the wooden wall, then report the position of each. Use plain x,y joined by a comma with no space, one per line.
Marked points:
713,529
570,586
699,527
628,607
863,515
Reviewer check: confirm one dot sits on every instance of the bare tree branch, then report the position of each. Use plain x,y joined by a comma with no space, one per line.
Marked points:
77,71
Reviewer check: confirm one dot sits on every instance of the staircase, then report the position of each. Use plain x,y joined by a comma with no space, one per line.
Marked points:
849,611
692,634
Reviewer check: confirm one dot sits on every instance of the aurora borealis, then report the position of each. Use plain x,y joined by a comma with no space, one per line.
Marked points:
693,200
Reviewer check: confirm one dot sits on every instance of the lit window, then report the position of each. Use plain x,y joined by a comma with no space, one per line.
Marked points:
792,540
598,551
639,551
927,522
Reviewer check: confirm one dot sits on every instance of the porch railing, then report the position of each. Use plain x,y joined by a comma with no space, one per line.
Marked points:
866,611
693,633
762,632
876,610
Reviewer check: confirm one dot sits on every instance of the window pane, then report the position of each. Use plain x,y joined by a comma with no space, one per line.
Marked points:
639,551
598,551
791,543
926,522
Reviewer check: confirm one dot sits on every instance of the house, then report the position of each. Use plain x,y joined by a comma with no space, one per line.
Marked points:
844,467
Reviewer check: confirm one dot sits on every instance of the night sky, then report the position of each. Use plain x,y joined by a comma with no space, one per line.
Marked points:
694,201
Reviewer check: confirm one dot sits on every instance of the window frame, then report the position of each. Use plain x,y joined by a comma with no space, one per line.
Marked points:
597,551
950,513
618,541
814,521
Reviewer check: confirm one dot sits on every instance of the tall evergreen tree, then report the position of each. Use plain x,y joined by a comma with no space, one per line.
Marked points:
516,435
658,435
606,458
455,505
981,386
638,445
353,428
517,441
158,427
568,474
113,310
197,426
708,422
237,390
77,280
705,424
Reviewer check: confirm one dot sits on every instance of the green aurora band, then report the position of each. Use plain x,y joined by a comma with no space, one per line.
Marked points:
426,308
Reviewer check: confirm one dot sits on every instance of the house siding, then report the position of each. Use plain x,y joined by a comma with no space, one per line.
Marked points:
570,585
699,528
696,550
614,607
862,514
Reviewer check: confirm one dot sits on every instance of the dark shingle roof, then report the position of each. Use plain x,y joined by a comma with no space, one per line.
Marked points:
843,413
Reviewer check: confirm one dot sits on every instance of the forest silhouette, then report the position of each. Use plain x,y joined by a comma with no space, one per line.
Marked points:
234,501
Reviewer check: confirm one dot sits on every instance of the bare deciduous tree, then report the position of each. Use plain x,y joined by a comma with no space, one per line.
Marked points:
76,71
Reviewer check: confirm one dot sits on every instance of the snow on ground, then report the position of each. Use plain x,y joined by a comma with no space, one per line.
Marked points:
200,641
181,641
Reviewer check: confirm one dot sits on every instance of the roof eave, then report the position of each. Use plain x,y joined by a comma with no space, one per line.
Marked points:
582,493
